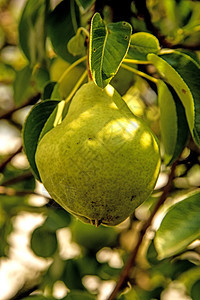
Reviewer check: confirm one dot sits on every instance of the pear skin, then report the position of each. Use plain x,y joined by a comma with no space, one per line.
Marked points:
101,162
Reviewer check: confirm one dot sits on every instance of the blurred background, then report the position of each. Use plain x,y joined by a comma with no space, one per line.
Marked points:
44,251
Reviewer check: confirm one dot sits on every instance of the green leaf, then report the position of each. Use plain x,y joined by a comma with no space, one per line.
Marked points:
183,74
93,238
57,219
22,85
43,242
108,46
71,275
55,118
76,45
48,89
195,291
32,33
41,77
62,25
180,227
32,129
142,43
152,255
56,92
173,123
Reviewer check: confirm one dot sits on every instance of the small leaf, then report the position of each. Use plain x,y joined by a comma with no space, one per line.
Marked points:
32,34
183,74
32,129
108,46
180,227
173,123
142,43
43,242
76,45
71,275
62,24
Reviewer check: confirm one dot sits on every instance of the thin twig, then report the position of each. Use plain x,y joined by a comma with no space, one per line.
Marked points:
22,294
72,66
30,101
139,73
8,159
124,277
7,191
77,85
17,179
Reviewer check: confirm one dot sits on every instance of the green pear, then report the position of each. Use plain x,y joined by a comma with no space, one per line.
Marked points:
101,162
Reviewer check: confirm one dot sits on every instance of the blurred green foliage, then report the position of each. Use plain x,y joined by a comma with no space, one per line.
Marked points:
31,40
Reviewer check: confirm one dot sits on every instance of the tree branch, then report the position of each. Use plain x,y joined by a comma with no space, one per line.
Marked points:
22,294
8,159
30,101
17,179
125,275
7,191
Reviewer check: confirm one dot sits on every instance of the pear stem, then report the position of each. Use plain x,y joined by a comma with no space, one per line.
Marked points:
136,61
142,74
82,29
77,85
77,62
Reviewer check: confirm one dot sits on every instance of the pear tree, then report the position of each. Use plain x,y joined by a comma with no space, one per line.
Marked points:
103,100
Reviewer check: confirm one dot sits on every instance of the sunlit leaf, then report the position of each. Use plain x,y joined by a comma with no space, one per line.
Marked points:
180,227
108,47
183,74
142,43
